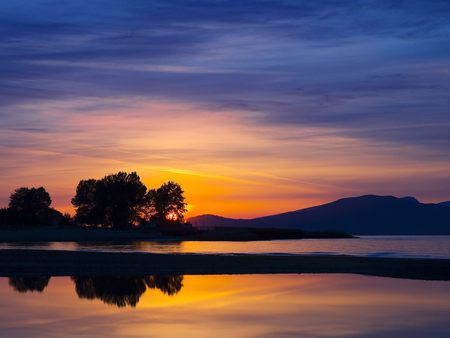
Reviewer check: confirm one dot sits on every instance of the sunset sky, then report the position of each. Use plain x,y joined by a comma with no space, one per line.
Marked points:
254,107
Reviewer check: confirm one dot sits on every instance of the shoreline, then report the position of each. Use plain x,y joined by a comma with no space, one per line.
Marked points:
99,235
15,262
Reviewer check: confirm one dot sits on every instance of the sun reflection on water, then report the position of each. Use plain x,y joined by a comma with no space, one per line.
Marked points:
227,305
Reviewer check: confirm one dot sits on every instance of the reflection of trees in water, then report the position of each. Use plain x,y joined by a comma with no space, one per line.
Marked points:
25,284
169,285
119,291
124,291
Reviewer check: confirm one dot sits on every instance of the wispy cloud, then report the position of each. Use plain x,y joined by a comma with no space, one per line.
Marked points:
316,78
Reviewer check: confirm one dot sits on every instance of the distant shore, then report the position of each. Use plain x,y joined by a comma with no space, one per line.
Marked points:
70,263
79,234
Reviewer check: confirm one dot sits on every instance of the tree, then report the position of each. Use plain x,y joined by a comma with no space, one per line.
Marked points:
125,198
88,202
116,200
167,203
30,206
5,218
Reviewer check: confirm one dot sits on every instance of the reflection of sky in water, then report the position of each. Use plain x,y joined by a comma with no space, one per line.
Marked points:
239,306
382,246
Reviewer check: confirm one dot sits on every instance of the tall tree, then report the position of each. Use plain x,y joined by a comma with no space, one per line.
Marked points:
167,203
125,198
88,203
5,216
116,200
30,206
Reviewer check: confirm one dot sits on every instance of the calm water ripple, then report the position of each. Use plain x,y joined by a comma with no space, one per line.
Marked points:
369,246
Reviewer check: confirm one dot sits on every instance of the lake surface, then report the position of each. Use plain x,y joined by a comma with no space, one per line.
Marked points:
224,306
381,246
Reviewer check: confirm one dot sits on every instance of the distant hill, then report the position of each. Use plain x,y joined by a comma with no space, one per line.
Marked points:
363,215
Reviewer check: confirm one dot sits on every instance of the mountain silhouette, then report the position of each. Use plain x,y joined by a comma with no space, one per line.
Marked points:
363,215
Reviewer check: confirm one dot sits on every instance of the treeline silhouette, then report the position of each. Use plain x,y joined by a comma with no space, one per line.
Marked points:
116,201
31,206
117,291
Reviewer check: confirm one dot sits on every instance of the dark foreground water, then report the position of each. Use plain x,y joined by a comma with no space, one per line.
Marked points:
379,246
224,306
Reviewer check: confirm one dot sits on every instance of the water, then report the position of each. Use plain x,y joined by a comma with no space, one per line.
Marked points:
224,306
381,246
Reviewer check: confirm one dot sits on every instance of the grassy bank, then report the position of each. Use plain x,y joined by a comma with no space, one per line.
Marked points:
67,263
79,234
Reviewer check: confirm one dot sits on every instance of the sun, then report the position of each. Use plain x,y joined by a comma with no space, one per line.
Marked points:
172,216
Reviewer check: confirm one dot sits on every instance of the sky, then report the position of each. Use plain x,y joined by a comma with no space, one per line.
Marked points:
254,107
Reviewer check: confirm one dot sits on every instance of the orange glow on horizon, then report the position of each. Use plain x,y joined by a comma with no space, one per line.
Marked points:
226,164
